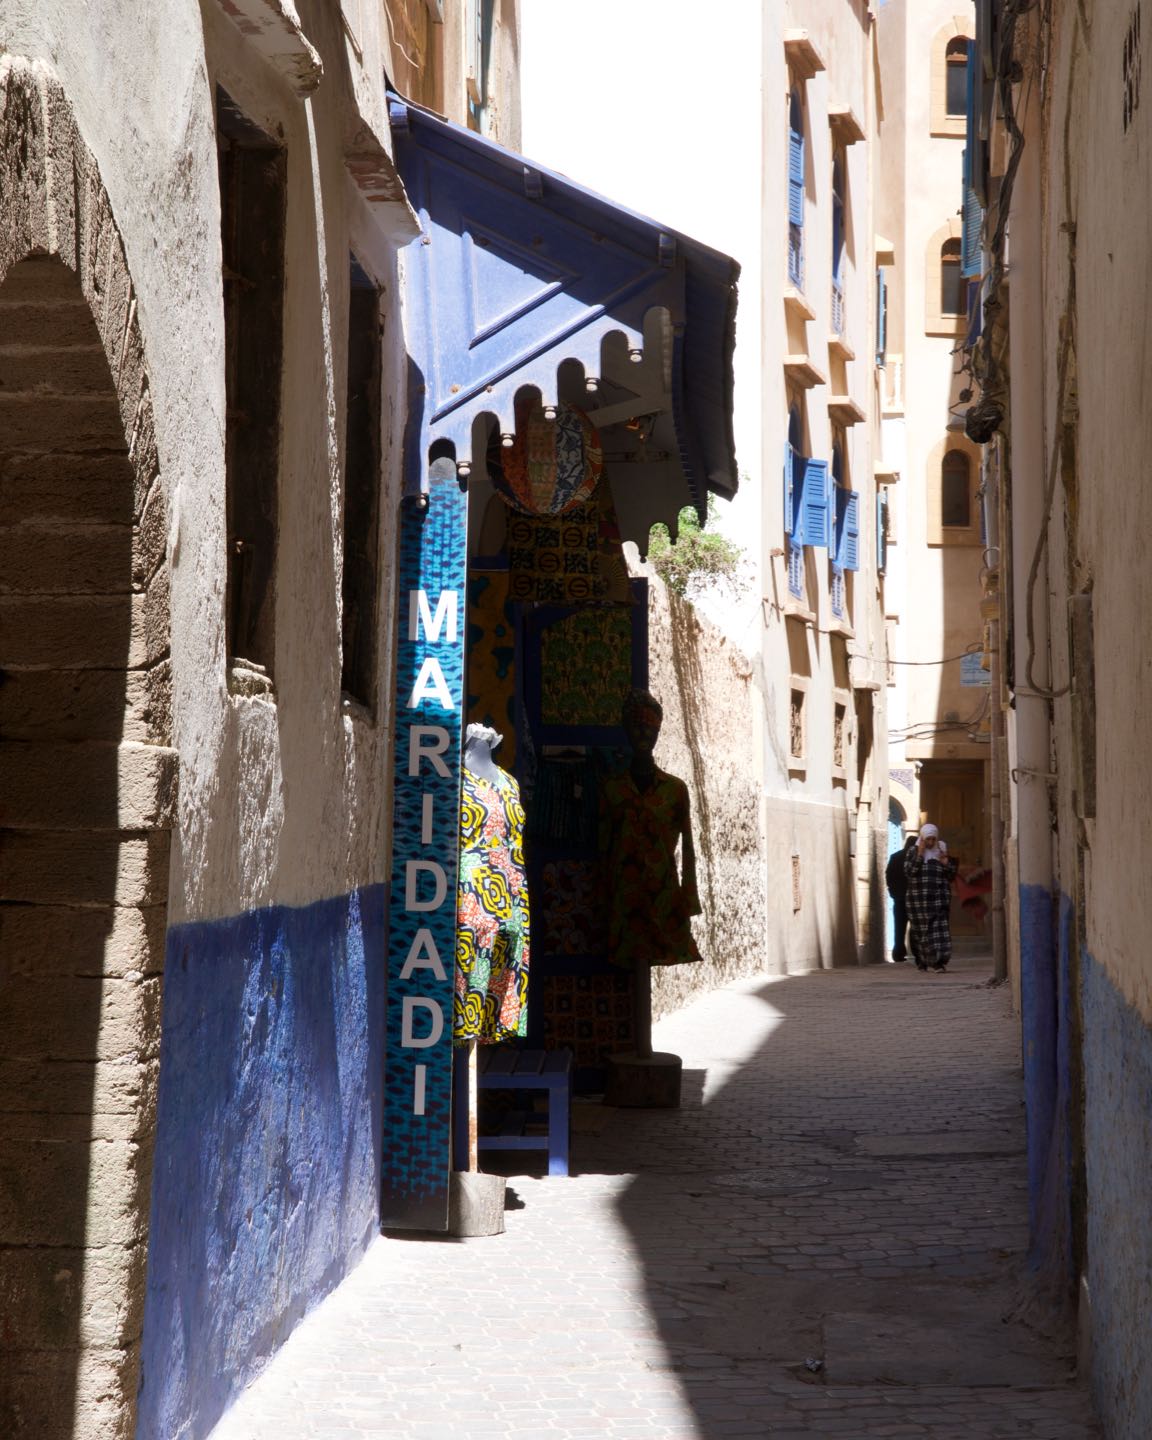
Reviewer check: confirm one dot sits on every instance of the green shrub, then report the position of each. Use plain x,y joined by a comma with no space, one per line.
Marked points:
700,558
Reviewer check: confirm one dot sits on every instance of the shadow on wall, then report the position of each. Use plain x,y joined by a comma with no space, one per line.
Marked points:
705,686
86,793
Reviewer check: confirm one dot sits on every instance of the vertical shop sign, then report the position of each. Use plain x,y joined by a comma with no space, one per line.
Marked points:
425,856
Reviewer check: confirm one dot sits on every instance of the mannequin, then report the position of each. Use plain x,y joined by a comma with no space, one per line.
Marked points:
492,900
490,1003
644,813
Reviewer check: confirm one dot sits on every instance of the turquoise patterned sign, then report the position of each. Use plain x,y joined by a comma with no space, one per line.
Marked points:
422,926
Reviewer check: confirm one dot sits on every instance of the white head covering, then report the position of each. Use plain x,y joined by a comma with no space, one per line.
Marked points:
932,851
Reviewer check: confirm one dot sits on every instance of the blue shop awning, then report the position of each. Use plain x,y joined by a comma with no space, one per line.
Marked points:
522,280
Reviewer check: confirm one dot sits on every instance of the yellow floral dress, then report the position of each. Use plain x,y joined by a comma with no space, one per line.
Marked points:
491,992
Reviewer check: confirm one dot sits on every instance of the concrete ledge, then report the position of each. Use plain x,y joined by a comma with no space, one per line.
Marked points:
272,27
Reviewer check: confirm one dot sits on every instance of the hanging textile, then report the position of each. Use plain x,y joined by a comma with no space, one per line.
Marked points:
569,559
552,464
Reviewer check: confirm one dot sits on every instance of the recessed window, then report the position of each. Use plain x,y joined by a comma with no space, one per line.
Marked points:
796,190
796,725
361,489
838,246
956,491
253,187
953,285
956,78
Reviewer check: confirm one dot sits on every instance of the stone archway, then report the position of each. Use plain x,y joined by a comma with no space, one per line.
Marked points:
87,782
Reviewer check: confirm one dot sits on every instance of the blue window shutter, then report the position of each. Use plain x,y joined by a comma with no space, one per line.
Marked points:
970,259
789,500
815,503
881,319
795,570
796,177
847,529
976,133
837,592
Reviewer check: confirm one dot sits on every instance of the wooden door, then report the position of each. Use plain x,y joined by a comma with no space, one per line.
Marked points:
952,797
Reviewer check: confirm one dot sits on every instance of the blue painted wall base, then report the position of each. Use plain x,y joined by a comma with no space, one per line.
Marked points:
268,1136
1118,1144
1044,1003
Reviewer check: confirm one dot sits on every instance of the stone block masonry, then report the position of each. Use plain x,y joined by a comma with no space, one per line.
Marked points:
87,782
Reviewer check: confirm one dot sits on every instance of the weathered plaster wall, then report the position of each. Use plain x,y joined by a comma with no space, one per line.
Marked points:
281,809
708,739
1079,296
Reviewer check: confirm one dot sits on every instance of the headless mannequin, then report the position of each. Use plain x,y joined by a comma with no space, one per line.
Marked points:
478,747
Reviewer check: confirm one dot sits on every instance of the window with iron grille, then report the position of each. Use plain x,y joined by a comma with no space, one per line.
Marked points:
839,749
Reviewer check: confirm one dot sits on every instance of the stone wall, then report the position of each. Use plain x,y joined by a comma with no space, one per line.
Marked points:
708,739
87,782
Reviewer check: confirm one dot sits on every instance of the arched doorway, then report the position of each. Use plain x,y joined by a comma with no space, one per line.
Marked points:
87,783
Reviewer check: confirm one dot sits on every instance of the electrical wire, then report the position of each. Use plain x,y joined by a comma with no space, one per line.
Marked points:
976,648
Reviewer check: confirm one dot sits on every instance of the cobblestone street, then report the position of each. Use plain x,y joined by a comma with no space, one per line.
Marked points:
827,1239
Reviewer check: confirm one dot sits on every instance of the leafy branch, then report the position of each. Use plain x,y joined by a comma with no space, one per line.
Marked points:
700,558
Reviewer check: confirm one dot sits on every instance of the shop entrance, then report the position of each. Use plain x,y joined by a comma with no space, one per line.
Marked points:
557,636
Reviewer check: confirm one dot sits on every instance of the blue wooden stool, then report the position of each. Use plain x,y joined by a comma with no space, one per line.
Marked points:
507,1067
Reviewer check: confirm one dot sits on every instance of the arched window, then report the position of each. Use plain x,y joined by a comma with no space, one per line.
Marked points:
956,78
953,285
795,189
956,491
838,246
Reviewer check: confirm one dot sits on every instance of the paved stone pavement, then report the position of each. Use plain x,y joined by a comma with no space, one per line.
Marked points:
825,1240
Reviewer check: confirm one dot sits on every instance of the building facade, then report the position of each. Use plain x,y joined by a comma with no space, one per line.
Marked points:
203,409
940,713
822,637
1062,143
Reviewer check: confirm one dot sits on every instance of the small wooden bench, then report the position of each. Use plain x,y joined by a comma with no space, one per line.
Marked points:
507,1067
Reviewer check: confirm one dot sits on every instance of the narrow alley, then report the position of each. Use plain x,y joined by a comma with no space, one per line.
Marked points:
827,1239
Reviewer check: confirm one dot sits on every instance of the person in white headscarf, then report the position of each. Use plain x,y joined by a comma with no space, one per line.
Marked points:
930,871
